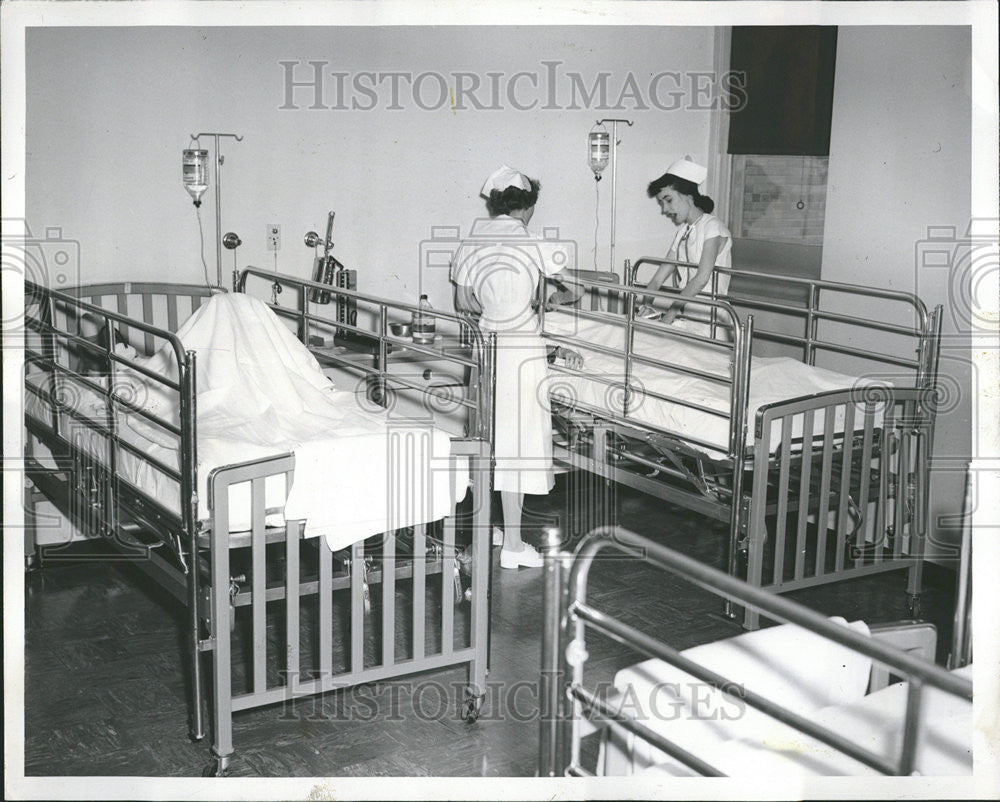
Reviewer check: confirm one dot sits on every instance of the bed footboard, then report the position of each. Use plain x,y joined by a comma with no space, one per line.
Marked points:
845,492
309,620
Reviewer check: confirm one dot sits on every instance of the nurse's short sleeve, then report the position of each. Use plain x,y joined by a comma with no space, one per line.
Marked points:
460,265
553,256
715,228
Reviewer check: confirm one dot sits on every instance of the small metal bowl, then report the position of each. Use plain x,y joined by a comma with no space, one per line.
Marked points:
400,329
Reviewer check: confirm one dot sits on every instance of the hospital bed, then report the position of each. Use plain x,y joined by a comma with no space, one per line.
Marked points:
808,697
807,441
374,527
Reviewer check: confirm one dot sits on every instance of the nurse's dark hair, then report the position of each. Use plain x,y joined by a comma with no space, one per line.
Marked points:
684,187
505,201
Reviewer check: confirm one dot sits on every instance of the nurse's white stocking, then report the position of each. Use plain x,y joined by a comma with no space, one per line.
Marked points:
512,504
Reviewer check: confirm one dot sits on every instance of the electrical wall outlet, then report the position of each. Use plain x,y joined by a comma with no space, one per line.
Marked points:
273,237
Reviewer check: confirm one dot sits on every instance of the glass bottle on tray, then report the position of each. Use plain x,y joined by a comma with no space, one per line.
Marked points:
423,325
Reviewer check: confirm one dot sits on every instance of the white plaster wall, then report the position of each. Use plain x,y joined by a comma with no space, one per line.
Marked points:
109,111
900,162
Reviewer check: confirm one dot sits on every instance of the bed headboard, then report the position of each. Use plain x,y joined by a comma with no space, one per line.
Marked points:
817,322
773,259
165,306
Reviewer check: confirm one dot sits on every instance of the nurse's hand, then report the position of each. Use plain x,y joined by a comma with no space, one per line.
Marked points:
571,358
561,297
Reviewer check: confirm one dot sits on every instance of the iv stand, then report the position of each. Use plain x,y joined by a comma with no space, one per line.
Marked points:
218,198
614,178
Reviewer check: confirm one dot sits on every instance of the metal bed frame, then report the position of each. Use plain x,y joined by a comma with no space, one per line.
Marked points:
569,708
878,473
198,561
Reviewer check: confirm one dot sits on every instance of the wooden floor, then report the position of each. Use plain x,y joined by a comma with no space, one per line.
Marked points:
105,689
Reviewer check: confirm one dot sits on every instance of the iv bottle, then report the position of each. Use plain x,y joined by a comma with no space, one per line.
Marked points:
598,152
424,326
194,167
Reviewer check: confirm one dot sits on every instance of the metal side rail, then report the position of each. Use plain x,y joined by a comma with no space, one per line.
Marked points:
569,614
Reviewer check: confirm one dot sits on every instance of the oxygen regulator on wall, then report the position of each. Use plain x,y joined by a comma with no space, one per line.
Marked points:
329,270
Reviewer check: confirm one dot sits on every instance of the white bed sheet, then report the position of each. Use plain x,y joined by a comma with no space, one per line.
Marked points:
803,672
786,663
772,379
345,487
261,393
874,722
944,742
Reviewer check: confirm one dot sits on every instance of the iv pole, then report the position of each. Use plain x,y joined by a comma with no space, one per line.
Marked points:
218,198
614,179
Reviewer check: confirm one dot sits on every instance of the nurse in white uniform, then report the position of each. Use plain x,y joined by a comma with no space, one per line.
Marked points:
701,239
496,273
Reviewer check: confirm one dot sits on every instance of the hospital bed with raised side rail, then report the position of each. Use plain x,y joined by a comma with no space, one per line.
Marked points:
810,696
777,416
120,436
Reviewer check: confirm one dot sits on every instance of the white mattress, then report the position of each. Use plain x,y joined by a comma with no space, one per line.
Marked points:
261,393
772,379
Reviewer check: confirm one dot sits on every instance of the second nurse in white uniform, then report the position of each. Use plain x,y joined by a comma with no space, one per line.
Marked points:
701,240
496,273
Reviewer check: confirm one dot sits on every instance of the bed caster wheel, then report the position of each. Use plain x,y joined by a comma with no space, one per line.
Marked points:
472,707
914,606
218,768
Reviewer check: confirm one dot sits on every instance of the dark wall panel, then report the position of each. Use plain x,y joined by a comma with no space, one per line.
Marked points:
789,90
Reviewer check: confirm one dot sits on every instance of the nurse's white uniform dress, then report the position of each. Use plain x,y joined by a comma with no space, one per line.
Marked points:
688,244
501,264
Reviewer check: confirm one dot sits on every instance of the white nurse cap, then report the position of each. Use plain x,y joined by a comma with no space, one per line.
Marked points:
688,170
503,178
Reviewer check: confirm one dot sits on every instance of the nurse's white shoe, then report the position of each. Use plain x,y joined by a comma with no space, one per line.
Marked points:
497,536
526,557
